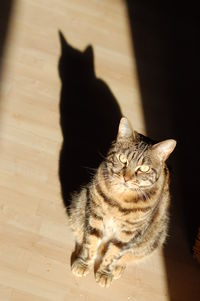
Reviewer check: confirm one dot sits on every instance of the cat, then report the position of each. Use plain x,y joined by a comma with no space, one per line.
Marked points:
122,214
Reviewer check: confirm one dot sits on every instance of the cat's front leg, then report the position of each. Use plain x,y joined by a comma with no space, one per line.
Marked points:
112,265
92,237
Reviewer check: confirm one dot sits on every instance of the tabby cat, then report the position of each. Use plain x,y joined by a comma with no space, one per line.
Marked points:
122,214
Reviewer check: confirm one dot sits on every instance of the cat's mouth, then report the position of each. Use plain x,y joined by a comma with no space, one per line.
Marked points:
130,186
134,186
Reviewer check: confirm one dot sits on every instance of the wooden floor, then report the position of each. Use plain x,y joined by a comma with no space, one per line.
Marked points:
35,241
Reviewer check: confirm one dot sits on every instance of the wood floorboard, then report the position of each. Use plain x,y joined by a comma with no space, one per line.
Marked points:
36,243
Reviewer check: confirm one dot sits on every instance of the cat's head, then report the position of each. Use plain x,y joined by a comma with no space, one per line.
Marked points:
134,162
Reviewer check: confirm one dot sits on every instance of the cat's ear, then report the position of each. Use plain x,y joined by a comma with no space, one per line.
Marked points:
163,149
125,129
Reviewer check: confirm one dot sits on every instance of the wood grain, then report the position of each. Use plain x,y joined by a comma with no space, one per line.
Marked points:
36,243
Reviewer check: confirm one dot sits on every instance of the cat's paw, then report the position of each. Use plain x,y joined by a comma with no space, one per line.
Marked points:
80,268
104,278
118,271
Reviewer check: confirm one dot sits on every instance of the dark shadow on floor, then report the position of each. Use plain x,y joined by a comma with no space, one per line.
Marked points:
5,13
165,40
89,118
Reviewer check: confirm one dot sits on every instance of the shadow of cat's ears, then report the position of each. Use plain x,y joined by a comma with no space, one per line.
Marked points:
62,39
64,44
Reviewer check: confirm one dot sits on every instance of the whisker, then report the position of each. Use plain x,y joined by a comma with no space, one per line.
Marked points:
102,156
141,192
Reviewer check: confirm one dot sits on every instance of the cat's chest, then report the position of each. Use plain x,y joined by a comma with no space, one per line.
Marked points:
110,227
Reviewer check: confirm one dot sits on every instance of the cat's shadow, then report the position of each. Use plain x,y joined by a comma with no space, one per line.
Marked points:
89,118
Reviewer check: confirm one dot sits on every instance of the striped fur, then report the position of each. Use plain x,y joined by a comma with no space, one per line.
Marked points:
123,211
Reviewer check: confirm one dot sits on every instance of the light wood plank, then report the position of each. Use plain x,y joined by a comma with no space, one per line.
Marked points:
35,239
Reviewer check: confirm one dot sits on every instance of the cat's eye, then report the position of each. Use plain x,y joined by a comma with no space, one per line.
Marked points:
123,159
143,168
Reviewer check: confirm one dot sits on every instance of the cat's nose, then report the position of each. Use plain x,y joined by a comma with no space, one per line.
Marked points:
127,176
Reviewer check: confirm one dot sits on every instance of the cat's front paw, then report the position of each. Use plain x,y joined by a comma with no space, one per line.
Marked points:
118,271
80,268
104,278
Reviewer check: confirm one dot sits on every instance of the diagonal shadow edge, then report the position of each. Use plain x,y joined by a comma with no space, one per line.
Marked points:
5,17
